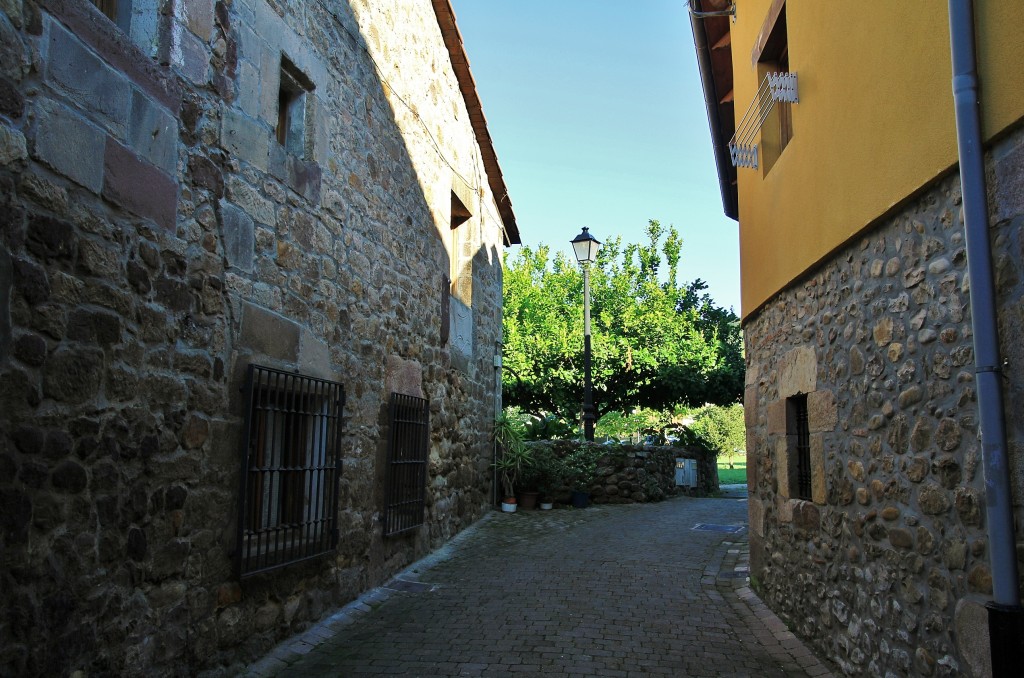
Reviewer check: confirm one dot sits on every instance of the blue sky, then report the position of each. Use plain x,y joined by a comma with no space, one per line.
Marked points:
597,116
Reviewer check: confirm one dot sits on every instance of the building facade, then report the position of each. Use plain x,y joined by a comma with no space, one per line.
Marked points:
250,316
836,139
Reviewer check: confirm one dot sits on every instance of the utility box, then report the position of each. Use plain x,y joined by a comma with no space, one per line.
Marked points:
686,472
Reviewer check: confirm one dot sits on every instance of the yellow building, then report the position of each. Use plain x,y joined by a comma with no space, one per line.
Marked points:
878,360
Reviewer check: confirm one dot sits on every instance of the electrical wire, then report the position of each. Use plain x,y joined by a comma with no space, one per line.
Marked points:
475,187
361,44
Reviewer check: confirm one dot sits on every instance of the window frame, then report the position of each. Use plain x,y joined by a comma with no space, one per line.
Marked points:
293,109
461,272
798,442
408,455
291,462
118,11
771,55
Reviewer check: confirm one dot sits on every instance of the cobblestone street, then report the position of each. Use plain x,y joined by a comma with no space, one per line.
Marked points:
628,590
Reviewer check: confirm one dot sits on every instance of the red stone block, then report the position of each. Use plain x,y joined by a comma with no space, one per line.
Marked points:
138,186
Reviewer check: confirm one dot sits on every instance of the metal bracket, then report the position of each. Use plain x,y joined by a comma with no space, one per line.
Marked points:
729,11
783,87
775,87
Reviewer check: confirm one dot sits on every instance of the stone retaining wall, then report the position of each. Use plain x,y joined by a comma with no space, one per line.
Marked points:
648,473
885,565
630,474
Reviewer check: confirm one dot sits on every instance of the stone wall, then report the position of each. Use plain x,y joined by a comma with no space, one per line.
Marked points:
629,474
156,239
884,565
648,473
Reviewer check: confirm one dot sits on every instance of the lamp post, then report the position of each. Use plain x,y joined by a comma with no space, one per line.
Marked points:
585,246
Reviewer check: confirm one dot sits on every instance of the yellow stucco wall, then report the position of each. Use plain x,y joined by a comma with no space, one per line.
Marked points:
875,121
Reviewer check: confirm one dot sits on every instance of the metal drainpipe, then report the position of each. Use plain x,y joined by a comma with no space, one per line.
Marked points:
498,406
1005,613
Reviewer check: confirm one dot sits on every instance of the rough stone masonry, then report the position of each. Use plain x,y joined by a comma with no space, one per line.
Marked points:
188,189
885,565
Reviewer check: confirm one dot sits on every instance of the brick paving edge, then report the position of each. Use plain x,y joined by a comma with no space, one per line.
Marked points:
733,557
291,650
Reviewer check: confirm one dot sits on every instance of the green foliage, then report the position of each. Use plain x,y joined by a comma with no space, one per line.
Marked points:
655,344
732,476
621,425
686,437
721,429
548,427
579,466
545,472
513,455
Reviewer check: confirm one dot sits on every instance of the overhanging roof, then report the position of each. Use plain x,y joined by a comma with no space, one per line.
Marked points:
453,41
713,40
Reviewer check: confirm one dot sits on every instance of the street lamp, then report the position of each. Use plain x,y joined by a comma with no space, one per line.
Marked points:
586,247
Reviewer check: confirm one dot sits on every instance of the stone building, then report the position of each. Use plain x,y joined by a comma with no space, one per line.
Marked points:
250,313
882,522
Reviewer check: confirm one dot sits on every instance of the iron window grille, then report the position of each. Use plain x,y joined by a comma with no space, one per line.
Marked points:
291,460
803,447
408,447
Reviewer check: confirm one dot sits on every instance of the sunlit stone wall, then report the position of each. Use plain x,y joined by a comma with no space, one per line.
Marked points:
885,565
155,239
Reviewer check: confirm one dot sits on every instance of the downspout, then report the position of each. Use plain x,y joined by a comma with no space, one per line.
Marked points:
1005,613
498,407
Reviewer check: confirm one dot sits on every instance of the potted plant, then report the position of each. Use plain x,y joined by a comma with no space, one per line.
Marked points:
529,484
512,456
581,472
546,474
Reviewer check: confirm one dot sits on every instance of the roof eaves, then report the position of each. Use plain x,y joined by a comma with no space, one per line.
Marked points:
707,60
460,63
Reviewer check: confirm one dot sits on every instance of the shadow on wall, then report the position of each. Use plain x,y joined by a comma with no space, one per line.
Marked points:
205,230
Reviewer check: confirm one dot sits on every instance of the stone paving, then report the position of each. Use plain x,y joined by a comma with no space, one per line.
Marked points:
626,590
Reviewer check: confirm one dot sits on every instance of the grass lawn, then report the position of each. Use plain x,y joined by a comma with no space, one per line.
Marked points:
735,475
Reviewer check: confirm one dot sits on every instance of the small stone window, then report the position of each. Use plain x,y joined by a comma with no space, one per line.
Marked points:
118,11
290,459
799,442
461,263
292,105
777,130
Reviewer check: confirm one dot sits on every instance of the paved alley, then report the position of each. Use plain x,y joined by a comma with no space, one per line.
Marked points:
631,590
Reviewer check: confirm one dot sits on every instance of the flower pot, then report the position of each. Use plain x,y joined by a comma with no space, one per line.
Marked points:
546,506
508,505
579,499
528,500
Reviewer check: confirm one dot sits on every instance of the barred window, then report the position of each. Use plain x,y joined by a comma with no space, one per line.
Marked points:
290,464
408,447
800,437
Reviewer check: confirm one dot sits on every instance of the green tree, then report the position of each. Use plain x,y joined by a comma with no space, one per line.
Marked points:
655,343
622,425
721,428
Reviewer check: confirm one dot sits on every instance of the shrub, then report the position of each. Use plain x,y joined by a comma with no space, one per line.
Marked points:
545,472
513,455
720,429
548,427
580,466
